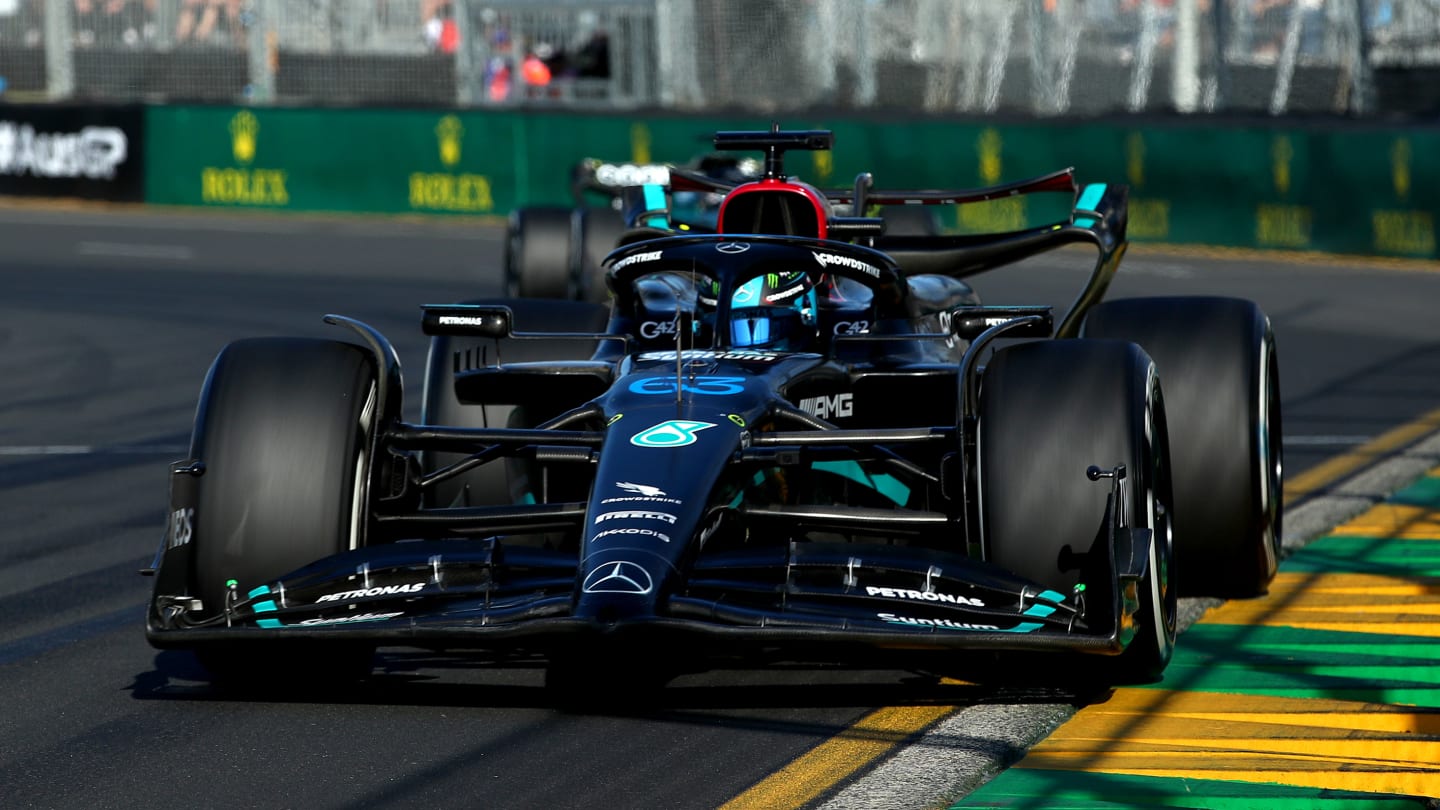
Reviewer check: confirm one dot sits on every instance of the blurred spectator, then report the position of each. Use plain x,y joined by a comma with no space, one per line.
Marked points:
85,18
534,70
437,18
1312,26
200,19
497,79
1164,20
20,23
1268,24
497,67
114,23
592,59
1382,16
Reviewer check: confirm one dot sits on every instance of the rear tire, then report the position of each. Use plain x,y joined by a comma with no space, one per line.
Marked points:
596,233
1217,359
1048,411
911,220
496,483
283,430
538,257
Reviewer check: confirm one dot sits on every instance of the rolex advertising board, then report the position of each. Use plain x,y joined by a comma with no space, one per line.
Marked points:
307,160
1341,189
72,151
382,161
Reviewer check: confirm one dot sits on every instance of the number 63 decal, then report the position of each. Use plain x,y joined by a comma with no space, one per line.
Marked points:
714,386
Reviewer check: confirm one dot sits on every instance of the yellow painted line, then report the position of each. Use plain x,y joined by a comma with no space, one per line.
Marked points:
1256,738
1126,707
805,779
1328,472
1367,603
875,735
1374,585
1317,743
1393,521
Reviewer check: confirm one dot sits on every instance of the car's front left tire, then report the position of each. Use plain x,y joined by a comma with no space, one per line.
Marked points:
1050,410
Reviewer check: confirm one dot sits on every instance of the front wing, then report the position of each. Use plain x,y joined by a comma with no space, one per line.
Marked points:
483,594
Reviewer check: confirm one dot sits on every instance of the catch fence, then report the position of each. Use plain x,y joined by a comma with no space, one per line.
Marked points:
1022,57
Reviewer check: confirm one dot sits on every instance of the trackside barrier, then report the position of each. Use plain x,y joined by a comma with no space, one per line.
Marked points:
1342,189
67,150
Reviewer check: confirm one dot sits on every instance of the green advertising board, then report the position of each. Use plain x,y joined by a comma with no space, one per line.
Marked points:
1342,189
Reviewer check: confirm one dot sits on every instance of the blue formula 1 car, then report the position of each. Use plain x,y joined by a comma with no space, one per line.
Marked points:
795,439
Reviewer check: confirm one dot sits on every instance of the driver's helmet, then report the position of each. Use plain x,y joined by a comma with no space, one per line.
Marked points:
774,311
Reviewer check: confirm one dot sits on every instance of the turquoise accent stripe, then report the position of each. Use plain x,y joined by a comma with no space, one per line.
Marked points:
1024,627
528,499
260,591
1042,611
1089,198
655,200
270,623
884,483
263,607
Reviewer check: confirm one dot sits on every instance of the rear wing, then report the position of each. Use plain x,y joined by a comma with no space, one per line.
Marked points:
611,179
863,196
1098,207
1098,217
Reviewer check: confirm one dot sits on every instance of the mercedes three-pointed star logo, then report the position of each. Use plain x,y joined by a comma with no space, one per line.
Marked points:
733,247
619,577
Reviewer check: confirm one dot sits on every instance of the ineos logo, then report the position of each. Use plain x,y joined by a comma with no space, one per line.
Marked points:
182,523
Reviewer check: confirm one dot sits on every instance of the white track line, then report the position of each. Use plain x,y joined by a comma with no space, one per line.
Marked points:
1333,440
93,450
130,250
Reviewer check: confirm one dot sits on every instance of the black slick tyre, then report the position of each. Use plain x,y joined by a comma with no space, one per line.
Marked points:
596,231
1049,410
497,482
283,431
1218,364
538,256
911,220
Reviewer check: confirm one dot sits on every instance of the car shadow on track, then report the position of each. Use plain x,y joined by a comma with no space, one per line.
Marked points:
432,680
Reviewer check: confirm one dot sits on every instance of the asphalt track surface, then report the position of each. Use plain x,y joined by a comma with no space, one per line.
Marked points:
108,321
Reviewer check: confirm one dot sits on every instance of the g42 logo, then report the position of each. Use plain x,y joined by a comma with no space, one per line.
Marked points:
674,433
714,386
654,329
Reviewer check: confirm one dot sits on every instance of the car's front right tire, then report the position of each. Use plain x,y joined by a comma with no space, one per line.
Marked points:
283,433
